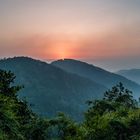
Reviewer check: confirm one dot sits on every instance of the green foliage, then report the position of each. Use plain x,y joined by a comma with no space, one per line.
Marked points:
65,128
115,117
9,125
15,115
37,129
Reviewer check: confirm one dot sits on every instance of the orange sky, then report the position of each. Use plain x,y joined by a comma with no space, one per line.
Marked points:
52,29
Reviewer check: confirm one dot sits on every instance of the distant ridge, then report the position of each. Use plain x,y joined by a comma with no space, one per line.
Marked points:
132,74
96,74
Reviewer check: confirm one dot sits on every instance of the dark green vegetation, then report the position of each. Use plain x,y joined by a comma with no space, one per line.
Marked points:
50,89
96,74
115,117
132,74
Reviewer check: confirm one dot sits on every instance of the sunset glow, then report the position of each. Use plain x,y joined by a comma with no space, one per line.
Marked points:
82,29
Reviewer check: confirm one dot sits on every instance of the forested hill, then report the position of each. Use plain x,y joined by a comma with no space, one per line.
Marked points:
50,89
97,74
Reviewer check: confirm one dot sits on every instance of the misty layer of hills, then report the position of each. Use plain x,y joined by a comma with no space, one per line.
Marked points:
132,74
96,74
63,86
50,89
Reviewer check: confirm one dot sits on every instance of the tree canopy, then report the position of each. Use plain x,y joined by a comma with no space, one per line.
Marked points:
114,117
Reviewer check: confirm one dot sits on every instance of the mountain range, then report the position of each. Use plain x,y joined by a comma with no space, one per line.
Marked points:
132,74
50,89
62,86
96,74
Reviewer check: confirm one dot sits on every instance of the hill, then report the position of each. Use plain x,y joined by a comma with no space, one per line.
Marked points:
50,89
97,74
132,74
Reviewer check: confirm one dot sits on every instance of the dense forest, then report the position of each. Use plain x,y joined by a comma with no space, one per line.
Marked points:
114,117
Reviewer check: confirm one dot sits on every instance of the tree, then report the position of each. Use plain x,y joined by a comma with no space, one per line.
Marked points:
115,117
9,125
65,128
120,95
15,114
6,84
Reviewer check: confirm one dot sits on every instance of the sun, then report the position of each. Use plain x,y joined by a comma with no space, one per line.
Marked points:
62,53
62,50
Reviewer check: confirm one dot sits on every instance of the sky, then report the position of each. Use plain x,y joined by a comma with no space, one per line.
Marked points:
102,32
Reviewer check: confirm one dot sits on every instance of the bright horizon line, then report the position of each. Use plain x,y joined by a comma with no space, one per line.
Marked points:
104,64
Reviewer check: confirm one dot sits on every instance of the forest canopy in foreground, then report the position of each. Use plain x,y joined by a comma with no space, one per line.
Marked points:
115,117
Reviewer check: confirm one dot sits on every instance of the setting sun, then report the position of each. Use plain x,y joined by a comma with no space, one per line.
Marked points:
62,53
92,30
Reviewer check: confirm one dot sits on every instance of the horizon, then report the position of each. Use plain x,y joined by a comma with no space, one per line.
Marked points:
92,31
101,65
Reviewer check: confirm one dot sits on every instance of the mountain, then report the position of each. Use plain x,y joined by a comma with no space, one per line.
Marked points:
97,74
50,89
132,74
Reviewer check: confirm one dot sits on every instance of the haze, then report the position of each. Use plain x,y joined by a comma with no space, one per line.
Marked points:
105,33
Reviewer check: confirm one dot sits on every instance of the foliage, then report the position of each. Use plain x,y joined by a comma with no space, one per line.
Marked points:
15,114
115,117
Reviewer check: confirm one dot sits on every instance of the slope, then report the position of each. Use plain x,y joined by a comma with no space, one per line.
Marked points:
96,74
50,89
